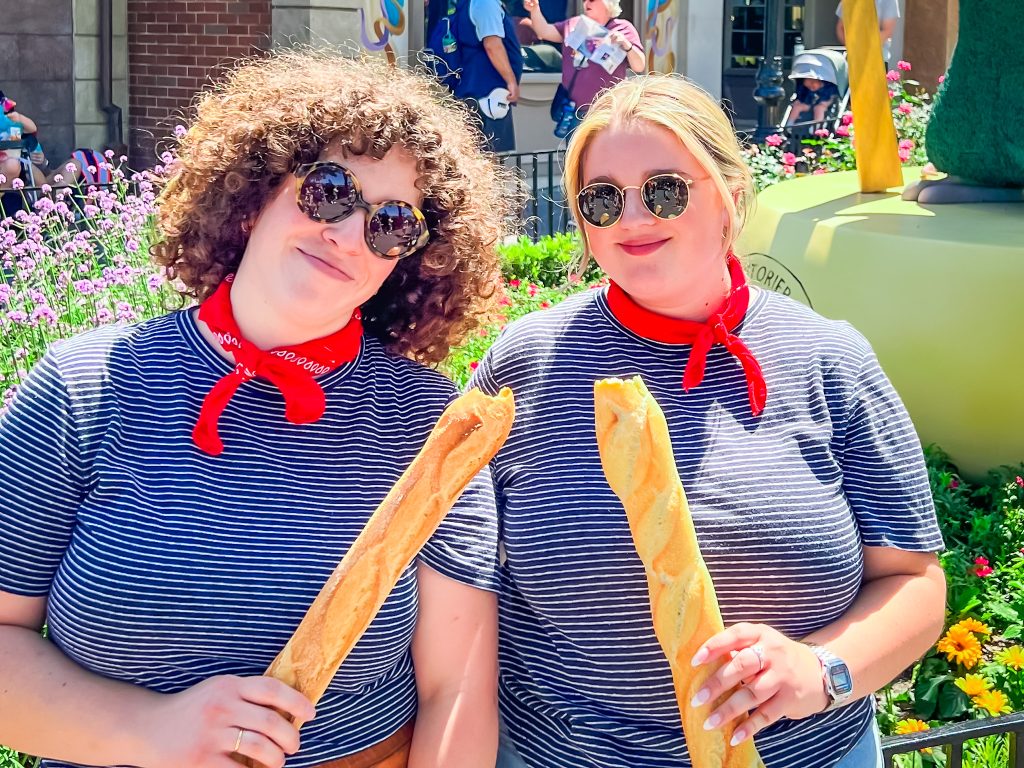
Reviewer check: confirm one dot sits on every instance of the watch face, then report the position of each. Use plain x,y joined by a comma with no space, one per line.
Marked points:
842,682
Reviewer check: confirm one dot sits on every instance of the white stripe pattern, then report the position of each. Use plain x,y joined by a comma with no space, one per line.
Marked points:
782,504
165,566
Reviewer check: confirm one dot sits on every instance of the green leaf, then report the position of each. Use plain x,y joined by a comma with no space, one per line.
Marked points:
1013,631
952,701
926,694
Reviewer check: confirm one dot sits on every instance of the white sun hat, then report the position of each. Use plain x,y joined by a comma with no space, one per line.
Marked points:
495,104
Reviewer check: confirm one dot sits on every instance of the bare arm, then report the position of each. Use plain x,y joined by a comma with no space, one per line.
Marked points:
51,706
887,28
494,46
541,27
840,32
455,652
896,617
28,125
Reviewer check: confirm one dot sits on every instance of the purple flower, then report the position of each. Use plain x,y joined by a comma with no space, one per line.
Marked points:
17,316
84,287
180,130
154,282
131,244
43,313
125,311
103,316
17,184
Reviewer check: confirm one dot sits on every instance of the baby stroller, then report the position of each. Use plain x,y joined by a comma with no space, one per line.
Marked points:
829,66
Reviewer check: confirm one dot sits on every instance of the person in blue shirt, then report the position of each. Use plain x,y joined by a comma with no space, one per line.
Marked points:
479,59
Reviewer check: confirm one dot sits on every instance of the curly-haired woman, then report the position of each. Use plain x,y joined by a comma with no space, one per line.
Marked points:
176,492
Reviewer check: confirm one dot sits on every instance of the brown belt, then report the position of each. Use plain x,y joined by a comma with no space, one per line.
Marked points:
393,752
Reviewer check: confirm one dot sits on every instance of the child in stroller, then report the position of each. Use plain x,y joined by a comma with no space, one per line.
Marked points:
821,91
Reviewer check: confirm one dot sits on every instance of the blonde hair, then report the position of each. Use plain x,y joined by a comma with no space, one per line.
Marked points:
678,105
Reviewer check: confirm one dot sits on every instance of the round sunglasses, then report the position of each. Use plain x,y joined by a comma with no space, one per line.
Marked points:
666,195
329,192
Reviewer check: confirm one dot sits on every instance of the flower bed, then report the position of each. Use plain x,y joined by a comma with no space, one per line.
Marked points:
833,151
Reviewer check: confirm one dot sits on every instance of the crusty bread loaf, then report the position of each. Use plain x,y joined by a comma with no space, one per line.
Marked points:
636,454
466,437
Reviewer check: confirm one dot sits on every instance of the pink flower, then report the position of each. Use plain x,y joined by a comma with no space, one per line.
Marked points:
842,130
847,118
821,133
981,568
954,483
505,301
942,79
906,144
819,171
532,291
545,304
903,65
789,170
904,108
473,365
775,140
513,283
789,159
892,95
180,130
904,155
1019,480
892,76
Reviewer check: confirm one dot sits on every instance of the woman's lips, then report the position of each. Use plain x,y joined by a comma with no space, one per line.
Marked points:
325,266
642,247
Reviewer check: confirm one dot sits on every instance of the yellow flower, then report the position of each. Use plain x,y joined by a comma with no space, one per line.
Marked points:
1012,657
960,646
993,702
904,727
973,685
975,626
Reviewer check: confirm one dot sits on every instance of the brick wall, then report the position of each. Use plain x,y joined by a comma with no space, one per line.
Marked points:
174,46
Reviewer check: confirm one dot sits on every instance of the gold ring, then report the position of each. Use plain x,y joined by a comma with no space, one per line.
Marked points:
238,741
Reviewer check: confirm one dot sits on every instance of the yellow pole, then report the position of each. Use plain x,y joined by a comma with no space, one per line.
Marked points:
878,161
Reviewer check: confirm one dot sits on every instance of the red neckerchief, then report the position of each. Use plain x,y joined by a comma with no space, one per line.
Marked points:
716,330
291,369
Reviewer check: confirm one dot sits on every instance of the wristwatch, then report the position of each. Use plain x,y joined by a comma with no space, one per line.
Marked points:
630,48
835,675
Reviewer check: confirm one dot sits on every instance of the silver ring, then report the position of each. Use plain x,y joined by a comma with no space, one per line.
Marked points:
238,740
759,652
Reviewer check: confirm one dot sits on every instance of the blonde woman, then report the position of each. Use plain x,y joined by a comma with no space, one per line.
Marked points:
803,472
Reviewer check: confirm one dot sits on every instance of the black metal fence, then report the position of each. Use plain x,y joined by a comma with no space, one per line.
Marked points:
951,740
541,173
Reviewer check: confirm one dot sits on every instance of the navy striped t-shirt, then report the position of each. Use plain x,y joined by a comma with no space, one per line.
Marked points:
782,505
165,566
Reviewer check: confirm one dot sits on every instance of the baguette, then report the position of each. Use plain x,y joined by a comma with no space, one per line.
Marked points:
465,438
636,454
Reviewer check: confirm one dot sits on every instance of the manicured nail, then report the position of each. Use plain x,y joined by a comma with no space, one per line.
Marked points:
712,722
738,735
702,696
700,657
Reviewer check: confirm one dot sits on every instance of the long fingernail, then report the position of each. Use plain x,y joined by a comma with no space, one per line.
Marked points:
712,722
700,657
702,696
737,736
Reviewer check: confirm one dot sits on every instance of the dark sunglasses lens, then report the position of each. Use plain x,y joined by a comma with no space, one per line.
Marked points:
666,196
328,193
394,230
600,204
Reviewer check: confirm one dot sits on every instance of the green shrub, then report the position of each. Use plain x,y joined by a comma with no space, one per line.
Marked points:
547,262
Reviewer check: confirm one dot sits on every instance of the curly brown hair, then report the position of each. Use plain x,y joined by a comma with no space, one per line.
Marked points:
269,115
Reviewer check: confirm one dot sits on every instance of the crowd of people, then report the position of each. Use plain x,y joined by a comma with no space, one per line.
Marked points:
175,492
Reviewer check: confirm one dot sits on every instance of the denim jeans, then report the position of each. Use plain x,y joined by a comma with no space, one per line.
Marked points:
866,753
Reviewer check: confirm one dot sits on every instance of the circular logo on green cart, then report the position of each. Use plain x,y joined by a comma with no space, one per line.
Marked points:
773,275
